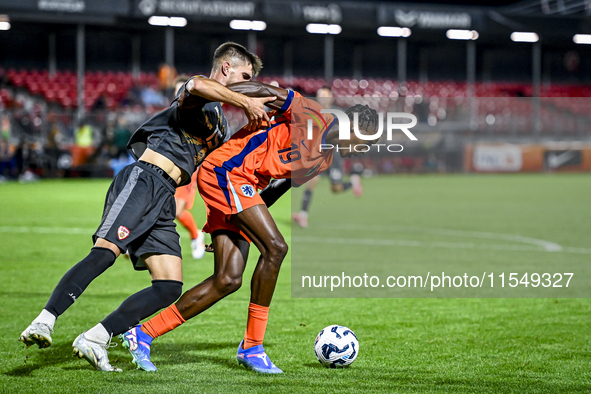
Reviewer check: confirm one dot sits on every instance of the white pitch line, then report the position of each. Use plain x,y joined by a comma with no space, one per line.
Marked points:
47,230
419,244
547,245
339,241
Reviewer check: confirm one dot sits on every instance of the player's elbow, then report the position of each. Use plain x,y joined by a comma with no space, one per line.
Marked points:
196,86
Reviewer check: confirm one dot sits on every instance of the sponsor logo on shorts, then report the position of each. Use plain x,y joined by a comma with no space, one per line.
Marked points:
247,190
122,232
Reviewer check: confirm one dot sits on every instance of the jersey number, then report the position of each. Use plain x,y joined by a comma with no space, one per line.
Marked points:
289,155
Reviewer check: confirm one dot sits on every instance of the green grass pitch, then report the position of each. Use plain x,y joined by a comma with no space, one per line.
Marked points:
416,345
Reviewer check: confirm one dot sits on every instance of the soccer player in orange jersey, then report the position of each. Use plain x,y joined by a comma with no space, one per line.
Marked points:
236,214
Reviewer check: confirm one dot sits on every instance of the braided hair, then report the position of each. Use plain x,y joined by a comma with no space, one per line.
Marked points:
368,119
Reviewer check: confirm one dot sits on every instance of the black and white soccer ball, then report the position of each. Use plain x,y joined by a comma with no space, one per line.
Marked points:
336,346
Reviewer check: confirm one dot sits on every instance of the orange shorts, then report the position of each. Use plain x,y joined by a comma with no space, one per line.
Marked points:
225,194
187,192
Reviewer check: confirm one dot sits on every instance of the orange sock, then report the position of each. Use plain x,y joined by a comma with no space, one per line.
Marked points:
256,325
188,222
165,321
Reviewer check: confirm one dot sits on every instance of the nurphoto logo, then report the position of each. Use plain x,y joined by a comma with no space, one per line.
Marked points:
393,122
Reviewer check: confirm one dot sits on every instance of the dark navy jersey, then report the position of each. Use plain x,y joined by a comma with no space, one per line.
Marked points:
186,132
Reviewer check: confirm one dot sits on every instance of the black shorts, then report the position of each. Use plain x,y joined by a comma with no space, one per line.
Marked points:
139,214
336,170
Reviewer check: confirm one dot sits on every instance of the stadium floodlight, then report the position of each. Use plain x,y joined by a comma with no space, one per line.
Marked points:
158,20
4,22
173,21
582,38
259,25
177,21
239,24
520,36
393,31
455,34
321,28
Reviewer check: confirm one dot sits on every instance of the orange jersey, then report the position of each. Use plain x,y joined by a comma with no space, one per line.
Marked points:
283,150
230,176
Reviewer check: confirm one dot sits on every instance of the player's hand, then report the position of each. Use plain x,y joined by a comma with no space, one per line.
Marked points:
209,248
255,111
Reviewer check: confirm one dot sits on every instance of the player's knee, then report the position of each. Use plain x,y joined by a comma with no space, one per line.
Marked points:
227,284
168,291
277,251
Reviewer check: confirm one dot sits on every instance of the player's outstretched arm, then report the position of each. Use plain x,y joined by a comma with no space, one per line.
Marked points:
259,89
253,107
275,189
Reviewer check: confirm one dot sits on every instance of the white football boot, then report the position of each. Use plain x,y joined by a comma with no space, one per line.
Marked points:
37,333
198,246
95,353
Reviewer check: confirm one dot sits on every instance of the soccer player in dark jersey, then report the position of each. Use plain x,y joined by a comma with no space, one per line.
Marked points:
236,214
184,199
139,209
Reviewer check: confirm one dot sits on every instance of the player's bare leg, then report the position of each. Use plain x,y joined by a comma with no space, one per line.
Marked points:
231,254
180,206
258,224
301,217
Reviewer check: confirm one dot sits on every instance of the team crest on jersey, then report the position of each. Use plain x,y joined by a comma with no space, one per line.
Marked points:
247,190
122,232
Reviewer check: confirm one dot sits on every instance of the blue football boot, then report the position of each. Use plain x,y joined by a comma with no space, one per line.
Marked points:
138,343
256,359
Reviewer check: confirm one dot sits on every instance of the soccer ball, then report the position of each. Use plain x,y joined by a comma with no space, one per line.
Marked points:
336,346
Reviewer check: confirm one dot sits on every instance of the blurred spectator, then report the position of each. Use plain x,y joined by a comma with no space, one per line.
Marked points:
120,138
32,162
133,96
151,97
83,148
166,76
5,128
84,135
101,103
8,160
52,148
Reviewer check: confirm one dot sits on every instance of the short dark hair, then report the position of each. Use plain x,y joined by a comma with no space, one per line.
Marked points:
232,52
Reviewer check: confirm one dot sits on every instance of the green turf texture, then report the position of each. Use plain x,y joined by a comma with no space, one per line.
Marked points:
406,345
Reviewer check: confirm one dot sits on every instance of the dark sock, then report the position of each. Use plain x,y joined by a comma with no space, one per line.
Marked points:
161,294
347,185
306,200
75,281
